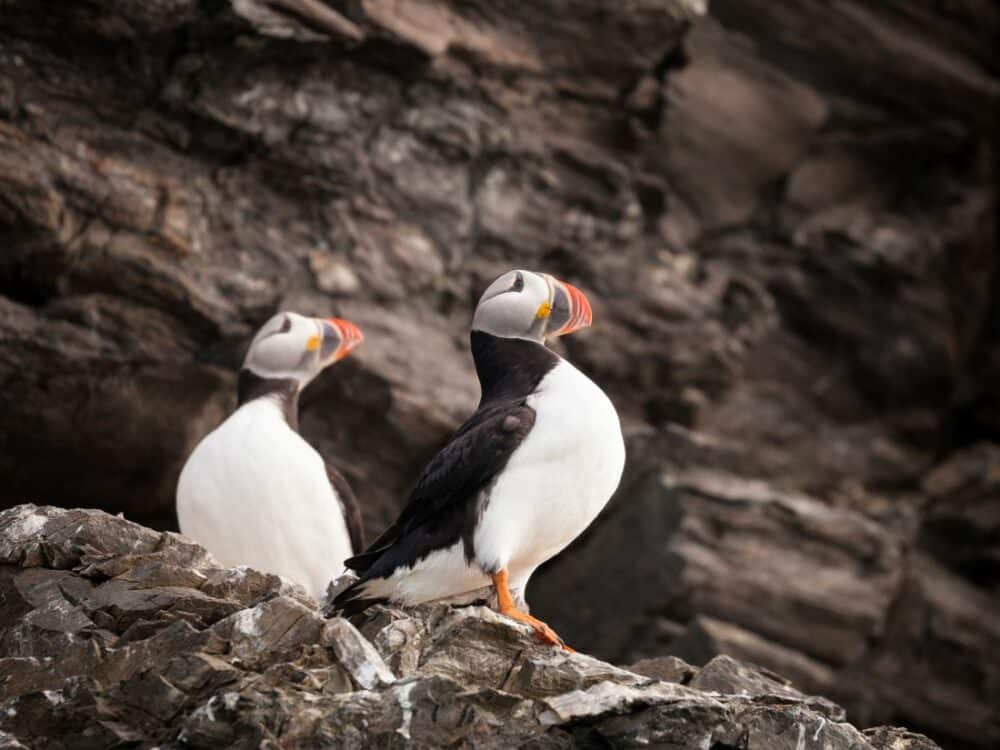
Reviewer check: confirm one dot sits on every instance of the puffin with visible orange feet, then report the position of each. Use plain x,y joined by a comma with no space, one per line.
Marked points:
519,481
254,492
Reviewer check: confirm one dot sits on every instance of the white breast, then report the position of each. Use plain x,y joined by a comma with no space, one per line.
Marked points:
557,480
255,493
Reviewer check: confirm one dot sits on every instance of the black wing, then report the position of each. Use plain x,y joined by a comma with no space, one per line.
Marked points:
442,507
350,507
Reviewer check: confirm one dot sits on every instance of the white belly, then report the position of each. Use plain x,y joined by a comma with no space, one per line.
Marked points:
255,493
557,481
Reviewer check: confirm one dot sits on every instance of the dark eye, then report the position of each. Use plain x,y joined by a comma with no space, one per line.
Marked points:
518,284
286,326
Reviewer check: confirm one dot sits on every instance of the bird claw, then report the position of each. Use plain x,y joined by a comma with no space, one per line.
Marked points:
548,635
543,632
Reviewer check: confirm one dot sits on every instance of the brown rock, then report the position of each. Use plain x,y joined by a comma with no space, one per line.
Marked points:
784,215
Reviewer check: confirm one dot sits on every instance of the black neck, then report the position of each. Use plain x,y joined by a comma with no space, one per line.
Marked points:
285,390
509,368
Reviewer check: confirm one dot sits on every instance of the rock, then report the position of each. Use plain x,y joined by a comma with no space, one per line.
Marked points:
704,637
59,539
831,597
963,492
784,215
724,104
273,670
273,629
357,655
698,529
934,659
8,742
893,738
665,669
724,674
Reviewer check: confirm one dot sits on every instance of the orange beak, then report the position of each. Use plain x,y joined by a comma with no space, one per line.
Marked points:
350,337
571,305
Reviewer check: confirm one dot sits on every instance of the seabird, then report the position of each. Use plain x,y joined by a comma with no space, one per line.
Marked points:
522,478
254,492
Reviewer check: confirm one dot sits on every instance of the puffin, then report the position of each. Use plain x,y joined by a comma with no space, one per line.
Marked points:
254,492
518,481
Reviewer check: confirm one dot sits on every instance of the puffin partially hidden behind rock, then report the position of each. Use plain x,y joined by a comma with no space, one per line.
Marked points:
522,478
254,492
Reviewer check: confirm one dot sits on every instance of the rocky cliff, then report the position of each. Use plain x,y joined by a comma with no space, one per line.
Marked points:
784,214
114,635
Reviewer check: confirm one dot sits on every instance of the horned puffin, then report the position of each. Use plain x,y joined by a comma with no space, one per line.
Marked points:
519,480
254,492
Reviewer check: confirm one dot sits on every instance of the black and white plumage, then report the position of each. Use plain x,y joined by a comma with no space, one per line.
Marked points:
254,492
522,478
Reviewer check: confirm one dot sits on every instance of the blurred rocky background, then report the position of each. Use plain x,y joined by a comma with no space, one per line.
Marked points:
784,215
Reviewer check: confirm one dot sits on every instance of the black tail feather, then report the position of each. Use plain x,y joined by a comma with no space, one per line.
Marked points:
352,601
361,563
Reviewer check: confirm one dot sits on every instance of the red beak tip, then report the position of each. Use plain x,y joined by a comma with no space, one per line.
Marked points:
581,315
350,334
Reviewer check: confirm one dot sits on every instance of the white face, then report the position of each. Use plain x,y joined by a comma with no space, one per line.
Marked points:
530,305
292,346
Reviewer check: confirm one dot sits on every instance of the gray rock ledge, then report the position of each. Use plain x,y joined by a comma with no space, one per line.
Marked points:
114,635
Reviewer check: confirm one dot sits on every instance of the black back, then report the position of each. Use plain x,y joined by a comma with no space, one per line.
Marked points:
251,386
451,494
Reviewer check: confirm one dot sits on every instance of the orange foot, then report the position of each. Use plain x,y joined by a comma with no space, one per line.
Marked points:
507,607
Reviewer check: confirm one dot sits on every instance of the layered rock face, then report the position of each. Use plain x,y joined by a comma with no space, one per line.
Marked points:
783,213
112,634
